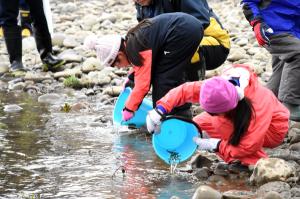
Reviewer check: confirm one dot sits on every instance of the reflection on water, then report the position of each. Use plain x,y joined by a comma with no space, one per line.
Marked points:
65,155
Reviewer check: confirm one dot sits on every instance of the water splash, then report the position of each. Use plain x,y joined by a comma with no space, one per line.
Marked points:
173,160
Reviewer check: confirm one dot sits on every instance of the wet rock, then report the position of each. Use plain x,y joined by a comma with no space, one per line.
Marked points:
70,56
3,86
280,187
266,76
205,192
50,98
68,73
294,139
32,90
121,72
28,44
37,77
221,169
17,86
272,195
219,180
79,106
90,92
108,16
202,173
295,125
242,41
236,194
295,191
237,54
91,64
95,78
89,21
68,8
4,67
295,147
271,169
285,154
3,126
58,39
200,161
12,108
113,90
70,42
211,73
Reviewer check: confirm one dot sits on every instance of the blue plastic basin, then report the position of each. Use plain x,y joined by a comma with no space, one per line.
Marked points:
139,118
175,139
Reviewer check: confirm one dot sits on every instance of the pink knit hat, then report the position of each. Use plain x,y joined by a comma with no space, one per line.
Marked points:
218,95
107,47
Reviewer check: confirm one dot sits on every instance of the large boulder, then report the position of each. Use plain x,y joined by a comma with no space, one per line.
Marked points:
271,169
206,192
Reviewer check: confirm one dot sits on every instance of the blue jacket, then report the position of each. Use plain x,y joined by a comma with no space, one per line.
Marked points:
197,8
283,16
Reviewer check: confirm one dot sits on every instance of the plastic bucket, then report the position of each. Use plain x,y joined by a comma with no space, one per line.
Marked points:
139,118
174,143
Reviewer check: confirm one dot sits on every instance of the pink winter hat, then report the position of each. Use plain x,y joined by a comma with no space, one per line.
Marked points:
218,95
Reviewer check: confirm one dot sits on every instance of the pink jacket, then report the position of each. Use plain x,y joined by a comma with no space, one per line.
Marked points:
267,128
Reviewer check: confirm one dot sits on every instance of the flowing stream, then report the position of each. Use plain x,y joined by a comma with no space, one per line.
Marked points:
46,153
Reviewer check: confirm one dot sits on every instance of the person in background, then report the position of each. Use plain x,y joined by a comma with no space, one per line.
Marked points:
276,25
25,20
159,49
215,45
9,11
240,116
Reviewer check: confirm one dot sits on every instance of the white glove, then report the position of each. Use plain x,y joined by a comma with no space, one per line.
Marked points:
209,144
153,121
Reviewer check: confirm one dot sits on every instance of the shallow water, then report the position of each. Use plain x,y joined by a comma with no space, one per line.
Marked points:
74,155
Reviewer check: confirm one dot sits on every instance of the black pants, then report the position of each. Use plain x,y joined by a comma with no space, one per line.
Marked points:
9,10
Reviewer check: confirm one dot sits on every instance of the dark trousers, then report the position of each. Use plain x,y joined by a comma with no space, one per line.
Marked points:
9,10
284,82
23,5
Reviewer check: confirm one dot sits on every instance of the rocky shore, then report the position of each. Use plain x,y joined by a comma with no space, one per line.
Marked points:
276,177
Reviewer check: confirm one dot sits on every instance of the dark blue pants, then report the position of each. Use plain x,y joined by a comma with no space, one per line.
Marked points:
23,5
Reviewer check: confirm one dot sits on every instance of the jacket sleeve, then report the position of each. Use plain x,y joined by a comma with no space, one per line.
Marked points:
251,9
187,92
142,82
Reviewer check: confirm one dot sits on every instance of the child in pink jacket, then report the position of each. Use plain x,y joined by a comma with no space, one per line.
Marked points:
241,116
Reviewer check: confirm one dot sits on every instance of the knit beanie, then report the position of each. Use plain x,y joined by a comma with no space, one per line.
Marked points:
218,95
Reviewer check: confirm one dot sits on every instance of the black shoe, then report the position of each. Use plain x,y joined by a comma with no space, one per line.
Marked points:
17,66
52,63
294,111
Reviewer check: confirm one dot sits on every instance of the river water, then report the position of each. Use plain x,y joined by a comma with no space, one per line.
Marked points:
46,153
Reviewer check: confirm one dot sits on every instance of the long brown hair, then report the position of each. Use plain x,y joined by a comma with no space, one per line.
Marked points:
240,117
136,42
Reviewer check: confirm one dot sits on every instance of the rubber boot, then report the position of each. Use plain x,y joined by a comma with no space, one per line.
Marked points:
26,23
13,41
44,46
